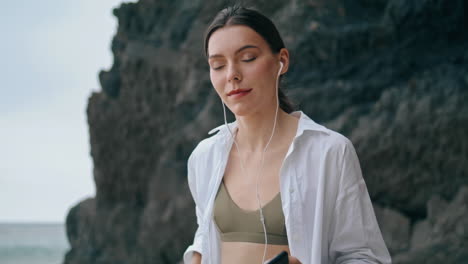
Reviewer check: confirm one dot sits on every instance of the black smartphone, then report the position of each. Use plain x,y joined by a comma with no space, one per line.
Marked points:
281,258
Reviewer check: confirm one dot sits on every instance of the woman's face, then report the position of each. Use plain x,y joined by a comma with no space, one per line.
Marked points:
241,60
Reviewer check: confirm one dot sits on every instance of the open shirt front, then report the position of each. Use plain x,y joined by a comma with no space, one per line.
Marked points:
328,213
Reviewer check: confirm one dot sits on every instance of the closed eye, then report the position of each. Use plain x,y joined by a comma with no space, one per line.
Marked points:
218,68
248,60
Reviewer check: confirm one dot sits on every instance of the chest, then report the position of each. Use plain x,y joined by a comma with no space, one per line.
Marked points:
243,171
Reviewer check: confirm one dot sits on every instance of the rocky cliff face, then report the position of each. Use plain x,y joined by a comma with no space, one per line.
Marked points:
391,75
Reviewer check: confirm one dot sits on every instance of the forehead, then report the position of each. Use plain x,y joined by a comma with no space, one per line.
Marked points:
228,39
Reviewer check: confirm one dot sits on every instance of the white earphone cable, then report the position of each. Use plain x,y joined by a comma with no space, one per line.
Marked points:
259,175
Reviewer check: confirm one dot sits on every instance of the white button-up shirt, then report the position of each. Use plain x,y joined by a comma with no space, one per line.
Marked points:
328,213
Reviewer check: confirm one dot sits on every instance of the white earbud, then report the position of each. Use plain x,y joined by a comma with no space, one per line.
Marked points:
281,67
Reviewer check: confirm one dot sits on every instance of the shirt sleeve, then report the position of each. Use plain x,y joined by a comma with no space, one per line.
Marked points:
355,236
197,241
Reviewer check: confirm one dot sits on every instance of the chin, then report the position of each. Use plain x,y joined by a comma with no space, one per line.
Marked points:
239,110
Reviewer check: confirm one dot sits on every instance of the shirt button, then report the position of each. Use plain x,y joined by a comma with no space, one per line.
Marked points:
291,190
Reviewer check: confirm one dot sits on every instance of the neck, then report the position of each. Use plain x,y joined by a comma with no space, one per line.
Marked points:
254,130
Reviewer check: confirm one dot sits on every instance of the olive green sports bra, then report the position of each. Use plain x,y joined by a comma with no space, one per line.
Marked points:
238,225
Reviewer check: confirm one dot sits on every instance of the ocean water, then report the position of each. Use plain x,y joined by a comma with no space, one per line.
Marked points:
32,243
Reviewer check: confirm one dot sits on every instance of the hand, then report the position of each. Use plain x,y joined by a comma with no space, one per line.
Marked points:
196,259
291,260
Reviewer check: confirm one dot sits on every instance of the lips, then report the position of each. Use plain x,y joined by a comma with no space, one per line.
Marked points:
239,91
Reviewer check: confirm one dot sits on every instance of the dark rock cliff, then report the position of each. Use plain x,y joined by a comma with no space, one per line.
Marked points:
392,75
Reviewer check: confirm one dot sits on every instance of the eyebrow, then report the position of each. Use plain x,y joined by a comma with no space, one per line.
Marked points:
237,51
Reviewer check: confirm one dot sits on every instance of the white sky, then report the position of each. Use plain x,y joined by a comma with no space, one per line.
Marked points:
51,53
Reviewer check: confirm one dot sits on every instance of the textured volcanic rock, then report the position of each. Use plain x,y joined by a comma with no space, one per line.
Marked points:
446,234
392,75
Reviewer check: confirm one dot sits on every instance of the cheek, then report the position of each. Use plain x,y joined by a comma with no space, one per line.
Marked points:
262,70
217,83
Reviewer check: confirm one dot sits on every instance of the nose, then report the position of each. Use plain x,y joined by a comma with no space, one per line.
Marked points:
234,74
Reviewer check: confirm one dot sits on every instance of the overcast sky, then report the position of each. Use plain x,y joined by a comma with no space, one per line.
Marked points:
51,53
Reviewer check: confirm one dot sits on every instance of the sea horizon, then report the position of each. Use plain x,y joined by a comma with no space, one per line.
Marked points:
38,242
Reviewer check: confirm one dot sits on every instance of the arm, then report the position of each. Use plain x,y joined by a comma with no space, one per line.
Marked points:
354,232
192,254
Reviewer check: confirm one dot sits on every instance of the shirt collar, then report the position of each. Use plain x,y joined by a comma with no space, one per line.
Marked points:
305,123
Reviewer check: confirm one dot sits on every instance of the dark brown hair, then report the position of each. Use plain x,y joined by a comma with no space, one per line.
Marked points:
238,15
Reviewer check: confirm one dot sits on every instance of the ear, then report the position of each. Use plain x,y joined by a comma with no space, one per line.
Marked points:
284,58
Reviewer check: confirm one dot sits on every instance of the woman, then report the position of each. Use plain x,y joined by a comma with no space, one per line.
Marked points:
273,180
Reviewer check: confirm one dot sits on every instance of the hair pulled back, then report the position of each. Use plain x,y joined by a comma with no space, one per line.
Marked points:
238,15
